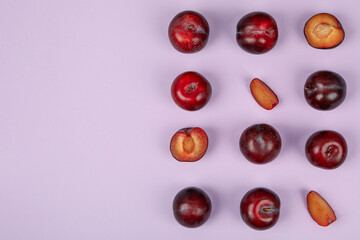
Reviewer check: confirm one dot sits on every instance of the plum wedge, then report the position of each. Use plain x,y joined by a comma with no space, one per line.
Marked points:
319,209
263,95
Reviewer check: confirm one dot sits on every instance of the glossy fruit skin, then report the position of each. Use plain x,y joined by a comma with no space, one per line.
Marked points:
191,91
188,32
260,208
260,143
326,149
257,32
192,207
325,90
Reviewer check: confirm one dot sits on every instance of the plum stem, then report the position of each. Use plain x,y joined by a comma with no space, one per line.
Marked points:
270,210
329,151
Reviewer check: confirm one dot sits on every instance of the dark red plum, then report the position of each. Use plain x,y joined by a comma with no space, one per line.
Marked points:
260,143
260,208
188,32
257,32
192,207
326,149
191,91
325,90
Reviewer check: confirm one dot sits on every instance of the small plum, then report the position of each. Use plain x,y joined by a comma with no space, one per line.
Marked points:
257,32
191,207
260,208
191,91
325,90
188,32
326,149
260,143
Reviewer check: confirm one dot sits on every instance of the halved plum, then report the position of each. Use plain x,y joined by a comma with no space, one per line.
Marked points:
323,31
189,144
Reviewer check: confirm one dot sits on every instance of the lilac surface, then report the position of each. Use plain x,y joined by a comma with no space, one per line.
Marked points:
86,119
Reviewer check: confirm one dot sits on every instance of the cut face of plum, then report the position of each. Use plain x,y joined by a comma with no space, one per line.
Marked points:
324,31
263,94
189,144
319,209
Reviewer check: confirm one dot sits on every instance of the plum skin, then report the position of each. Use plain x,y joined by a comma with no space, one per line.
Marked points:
191,91
325,90
188,32
257,32
260,208
260,143
326,149
191,207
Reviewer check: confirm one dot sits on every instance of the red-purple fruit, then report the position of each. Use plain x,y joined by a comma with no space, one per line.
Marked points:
188,32
191,207
326,149
191,91
257,32
260,208
325,90
260,143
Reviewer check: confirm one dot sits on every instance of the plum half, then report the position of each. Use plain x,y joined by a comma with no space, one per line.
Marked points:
189,144
324,31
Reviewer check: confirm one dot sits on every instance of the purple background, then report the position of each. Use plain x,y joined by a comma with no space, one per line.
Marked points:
86,118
